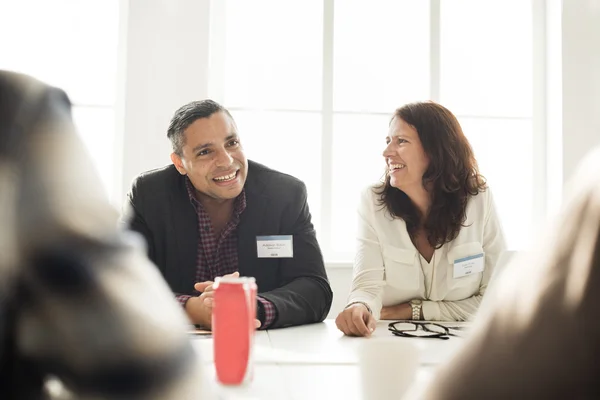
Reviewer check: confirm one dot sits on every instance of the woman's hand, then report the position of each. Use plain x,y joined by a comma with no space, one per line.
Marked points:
356,320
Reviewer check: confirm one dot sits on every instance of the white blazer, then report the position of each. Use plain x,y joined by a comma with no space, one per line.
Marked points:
388,269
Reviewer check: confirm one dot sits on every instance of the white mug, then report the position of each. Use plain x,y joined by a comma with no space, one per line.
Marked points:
387,367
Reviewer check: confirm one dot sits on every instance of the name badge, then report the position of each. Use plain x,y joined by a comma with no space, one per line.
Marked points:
279,246
468,265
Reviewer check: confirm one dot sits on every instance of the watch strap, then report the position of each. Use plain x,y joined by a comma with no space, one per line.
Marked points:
416,311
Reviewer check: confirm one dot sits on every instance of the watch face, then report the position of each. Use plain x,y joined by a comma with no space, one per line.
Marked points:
416,302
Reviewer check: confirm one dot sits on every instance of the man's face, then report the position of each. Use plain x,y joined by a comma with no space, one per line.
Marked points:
213,158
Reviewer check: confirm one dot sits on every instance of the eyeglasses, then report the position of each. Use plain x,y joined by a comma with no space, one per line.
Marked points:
424,330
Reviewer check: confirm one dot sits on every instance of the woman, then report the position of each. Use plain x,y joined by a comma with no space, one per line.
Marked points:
429,236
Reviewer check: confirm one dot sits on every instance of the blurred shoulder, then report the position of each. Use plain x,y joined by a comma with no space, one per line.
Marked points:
16,88
18,82
24,100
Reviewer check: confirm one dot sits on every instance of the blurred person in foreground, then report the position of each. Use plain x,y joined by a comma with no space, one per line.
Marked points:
429,236
203,217
538,333
78,300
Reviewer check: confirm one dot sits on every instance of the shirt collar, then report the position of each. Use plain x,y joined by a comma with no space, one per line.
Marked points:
238,207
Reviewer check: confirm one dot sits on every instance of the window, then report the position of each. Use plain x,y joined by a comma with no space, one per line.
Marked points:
312,86
486,80
70,44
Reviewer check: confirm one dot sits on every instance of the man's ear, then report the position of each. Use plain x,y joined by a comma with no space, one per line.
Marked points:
178,163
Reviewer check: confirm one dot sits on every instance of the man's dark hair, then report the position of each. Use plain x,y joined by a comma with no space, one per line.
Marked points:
187,115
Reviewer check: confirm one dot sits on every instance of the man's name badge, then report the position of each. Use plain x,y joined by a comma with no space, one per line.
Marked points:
277,246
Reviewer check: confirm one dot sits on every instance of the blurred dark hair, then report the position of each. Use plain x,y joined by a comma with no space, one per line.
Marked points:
187,115
451,178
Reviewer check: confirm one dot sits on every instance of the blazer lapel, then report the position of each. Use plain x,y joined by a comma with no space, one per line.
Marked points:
184,232
251,224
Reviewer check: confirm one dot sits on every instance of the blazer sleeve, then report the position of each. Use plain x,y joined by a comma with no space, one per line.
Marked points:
95,313
493,245
304,295
133,216
368,274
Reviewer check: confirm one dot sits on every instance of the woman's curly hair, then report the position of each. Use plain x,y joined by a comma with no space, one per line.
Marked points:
451,178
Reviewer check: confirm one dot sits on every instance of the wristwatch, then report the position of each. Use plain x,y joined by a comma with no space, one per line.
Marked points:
416,305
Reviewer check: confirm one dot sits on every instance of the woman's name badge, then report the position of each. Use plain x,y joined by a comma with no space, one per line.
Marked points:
278,246
468,265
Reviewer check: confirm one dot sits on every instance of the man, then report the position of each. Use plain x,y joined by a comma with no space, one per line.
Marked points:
538,336
213,213
78,300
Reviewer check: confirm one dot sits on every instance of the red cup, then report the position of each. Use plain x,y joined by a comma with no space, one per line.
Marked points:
233,316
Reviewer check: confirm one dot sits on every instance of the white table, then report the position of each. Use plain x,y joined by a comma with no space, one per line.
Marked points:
316,362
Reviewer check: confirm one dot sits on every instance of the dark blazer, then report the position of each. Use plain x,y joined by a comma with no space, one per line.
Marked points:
159,208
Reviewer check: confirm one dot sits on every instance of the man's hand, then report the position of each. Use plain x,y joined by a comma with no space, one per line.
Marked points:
202,306
207,290
356,320
198,313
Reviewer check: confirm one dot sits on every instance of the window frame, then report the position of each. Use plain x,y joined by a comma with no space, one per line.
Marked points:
538,116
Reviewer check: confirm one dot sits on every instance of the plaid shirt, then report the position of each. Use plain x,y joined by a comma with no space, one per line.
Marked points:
218,256
78,300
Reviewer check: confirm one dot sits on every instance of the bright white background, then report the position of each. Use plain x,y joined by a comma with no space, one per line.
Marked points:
73,45
312,85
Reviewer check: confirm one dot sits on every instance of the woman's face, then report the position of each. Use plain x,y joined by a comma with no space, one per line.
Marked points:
405,158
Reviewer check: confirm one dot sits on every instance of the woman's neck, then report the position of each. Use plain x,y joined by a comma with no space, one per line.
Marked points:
421,199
